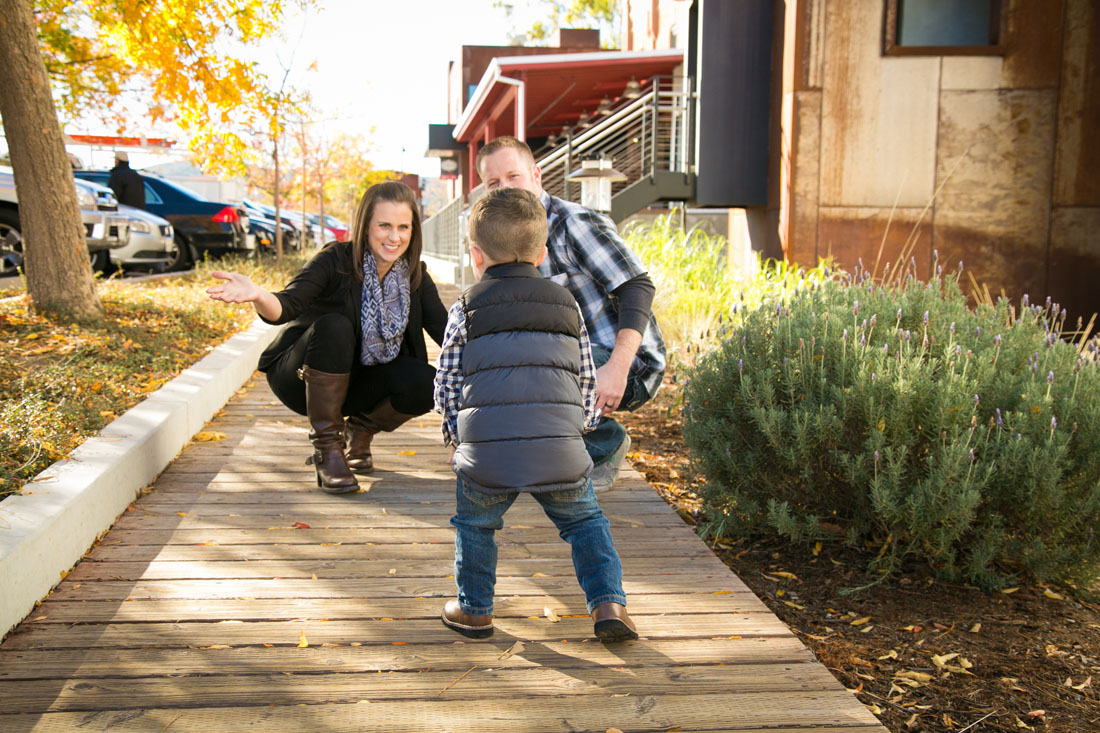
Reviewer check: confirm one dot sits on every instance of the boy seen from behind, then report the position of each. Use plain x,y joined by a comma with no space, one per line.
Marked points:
516,384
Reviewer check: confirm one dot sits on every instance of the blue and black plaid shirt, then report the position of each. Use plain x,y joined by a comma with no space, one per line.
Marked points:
586,255
448,375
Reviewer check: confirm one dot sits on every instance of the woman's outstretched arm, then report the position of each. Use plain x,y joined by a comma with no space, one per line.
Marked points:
238,288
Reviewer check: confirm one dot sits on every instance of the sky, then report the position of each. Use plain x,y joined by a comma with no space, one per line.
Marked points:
381,64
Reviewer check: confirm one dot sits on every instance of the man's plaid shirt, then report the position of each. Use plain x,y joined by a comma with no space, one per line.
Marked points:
586,255
448,374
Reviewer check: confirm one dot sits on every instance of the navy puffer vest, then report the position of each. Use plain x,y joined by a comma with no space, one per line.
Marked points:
521,413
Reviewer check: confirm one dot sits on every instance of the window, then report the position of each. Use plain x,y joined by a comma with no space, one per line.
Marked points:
151,196
942,27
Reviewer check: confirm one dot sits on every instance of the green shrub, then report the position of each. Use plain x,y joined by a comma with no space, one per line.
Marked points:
896,418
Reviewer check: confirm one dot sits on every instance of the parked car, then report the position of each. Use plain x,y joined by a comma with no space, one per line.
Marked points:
306,234
104,228
152,244
333,227
263,228
201,227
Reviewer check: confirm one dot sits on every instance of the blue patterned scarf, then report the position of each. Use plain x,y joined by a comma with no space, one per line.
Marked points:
385,310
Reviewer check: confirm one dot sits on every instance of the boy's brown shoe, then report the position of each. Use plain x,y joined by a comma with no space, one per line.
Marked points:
469,625
612,623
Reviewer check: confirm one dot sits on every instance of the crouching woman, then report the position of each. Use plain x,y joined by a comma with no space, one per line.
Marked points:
353,359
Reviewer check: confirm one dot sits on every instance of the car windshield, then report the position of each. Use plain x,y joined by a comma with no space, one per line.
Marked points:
181,190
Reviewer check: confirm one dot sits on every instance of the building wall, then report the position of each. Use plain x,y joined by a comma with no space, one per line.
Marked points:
985,159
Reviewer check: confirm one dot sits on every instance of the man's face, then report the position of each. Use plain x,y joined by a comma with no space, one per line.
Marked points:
511,168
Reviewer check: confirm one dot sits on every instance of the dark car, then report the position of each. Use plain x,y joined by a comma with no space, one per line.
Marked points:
201,226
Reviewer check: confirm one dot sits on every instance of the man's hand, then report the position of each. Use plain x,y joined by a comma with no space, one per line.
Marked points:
610,386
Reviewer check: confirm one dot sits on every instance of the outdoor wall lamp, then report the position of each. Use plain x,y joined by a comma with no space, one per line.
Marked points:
596,176
633,89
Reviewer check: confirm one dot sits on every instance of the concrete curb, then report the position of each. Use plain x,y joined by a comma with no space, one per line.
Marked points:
64,509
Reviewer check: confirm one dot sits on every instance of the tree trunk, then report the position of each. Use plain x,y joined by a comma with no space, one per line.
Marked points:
59,275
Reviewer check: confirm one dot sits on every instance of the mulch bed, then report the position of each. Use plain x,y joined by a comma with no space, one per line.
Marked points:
921,654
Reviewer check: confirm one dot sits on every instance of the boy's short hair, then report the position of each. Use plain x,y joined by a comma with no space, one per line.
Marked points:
509,225
501,143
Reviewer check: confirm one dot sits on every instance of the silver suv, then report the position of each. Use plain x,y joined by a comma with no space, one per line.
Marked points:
104,228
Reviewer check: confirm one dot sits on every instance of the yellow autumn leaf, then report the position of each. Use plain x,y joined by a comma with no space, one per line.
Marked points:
216,646
1009,590
1051,594
914,676
975,628
859,621
302,644
892,654
550,615
817,548
785,574
208,436
406,453
183,514
795,605
941,659
539,575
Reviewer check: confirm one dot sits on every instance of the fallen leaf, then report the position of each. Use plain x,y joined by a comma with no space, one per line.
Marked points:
817,549
314,576
1056,596
859,621
208,436
516,648
1036,713
183,514
300,525
975,628
302,644
1083,685
406,453
216,646
795,605
915,676
540,575
392,571
940,660
40,618
892,654
785,574
551,616
1009,590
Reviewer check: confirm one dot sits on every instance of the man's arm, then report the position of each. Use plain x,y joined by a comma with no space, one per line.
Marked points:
635,305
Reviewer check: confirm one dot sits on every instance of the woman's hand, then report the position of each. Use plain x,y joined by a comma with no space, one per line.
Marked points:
237,288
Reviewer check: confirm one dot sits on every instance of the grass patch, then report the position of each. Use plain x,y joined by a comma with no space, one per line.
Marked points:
61,383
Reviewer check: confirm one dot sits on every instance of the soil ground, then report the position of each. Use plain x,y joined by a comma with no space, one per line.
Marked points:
921,654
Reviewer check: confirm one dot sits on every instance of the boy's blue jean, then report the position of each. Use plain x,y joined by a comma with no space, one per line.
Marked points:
580,522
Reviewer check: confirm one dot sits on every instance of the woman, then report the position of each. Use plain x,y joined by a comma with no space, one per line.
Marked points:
355,345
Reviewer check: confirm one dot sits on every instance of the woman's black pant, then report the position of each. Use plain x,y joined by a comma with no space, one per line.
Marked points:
329,346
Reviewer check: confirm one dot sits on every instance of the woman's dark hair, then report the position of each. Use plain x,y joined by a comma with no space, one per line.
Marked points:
396,192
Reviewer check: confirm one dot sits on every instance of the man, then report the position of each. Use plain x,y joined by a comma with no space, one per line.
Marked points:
586,254
126,182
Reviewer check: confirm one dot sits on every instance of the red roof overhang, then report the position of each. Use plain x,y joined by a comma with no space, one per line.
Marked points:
546,93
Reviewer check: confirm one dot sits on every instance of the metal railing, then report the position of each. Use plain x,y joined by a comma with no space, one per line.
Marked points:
641,137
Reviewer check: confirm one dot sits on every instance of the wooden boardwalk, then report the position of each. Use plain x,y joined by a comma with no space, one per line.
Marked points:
235,595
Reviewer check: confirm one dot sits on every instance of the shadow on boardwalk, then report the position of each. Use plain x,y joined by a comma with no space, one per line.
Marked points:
236,595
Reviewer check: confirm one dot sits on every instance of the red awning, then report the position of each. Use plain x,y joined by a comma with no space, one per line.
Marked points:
543,94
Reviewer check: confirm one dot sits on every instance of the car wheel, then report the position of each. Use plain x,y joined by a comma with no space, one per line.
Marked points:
101,261
11,243
181,255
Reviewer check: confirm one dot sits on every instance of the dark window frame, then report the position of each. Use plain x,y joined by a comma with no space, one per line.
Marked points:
890,46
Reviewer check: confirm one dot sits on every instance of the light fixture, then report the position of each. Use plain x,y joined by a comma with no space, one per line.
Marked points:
596,176
585,121
605,106
552,140
633,89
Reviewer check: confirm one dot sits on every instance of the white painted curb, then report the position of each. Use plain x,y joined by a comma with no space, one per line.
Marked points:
45,531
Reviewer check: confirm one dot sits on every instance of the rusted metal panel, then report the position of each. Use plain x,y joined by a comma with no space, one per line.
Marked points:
878,114
1076,178
996,153
875,234
1032,43
1075,260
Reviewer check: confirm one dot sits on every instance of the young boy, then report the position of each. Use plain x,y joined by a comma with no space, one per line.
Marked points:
517,388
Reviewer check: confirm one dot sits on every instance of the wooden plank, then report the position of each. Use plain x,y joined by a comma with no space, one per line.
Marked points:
291,535
350,569
775,712
262,609
527,683
390,587
317,632
33,664
675,552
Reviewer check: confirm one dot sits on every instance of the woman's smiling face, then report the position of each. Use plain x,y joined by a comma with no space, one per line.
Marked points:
389,233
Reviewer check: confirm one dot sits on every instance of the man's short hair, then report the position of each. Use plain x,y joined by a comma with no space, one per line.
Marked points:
502,143
509,225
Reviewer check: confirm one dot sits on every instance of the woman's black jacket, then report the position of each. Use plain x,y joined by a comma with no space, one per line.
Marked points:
328,284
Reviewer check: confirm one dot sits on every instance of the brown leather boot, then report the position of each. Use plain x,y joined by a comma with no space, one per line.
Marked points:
612,624
325,395
469,625
361,429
